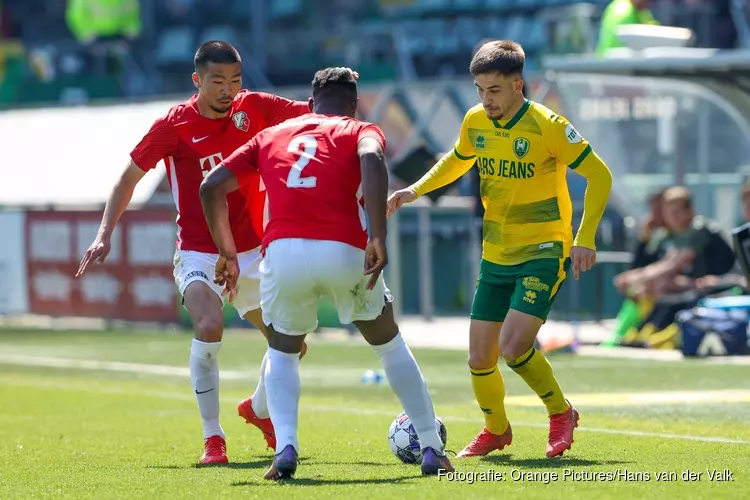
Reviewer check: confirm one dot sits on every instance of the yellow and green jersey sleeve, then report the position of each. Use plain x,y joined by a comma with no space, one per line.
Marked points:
565,143
464,149
451,166
573,150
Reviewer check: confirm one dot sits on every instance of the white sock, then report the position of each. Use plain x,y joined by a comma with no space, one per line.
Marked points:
283,388
204,375
259,396
407,382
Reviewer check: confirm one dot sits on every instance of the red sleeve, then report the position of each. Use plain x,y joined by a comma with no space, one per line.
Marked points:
159,142
373,131
279,109
243,163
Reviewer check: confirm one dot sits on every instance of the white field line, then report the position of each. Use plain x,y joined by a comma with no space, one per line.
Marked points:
655,355
643,398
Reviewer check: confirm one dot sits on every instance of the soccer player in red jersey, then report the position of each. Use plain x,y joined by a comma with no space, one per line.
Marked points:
192,138
323,172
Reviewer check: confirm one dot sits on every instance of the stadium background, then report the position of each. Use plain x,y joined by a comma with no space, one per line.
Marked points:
75,107
100,405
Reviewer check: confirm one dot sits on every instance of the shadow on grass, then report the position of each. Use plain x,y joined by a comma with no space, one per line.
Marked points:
362,462
263,463
255,464
547,463
310,481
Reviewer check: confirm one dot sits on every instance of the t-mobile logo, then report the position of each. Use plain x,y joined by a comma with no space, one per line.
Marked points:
208,163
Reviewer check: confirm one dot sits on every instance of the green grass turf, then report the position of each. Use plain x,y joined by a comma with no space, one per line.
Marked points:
74,433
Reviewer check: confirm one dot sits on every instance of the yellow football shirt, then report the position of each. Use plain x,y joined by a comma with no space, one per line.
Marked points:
523,166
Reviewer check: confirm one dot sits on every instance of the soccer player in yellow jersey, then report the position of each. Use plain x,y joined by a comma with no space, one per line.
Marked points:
522,151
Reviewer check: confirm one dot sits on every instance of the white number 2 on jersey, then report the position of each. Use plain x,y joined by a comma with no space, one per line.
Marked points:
295,179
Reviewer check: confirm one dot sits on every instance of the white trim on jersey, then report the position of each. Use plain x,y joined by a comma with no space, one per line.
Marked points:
175,194
266,209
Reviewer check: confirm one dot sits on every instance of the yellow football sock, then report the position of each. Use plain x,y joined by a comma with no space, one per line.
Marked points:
489,390
536,371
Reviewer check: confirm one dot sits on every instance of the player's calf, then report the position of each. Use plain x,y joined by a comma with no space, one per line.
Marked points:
205,311
404,376
283,388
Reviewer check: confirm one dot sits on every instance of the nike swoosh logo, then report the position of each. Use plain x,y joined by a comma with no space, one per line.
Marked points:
203,392
198,140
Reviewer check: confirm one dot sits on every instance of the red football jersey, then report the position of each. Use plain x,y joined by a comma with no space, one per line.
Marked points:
311,171
191,145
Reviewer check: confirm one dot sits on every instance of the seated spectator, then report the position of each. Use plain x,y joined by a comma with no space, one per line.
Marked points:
631,313
688,248
745,202
735,276
645,252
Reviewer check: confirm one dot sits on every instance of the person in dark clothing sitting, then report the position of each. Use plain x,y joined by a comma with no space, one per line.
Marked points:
645,251
689,248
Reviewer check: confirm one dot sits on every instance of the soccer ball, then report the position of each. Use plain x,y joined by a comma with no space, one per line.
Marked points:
404,440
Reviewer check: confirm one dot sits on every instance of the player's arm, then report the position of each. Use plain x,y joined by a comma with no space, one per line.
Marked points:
374,184
222,180
570,148
451,166
375,193
119,198
598,186
158,143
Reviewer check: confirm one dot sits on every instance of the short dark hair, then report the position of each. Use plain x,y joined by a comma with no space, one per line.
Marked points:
334,82
499,56
215,52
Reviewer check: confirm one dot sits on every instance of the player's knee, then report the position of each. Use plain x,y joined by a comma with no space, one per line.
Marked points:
512,349
209,328
290,344
482,359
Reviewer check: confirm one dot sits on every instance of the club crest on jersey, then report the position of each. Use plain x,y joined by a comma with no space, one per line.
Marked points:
241,121
521,147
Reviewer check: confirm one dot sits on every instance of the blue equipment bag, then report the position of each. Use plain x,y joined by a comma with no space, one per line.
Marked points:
714,332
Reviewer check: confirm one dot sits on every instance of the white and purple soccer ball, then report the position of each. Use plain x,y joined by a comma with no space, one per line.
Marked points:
404,440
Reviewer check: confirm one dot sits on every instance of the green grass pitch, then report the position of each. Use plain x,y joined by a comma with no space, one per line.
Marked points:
112,415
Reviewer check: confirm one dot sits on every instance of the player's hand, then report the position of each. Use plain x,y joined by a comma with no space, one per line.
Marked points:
97,252
583,259
398,198
226,274
376,258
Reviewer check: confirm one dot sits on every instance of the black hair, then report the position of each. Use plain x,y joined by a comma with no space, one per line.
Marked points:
215,52
500,56
334,83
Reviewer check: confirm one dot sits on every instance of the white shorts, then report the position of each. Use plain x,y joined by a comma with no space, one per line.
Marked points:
190,266
295,273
